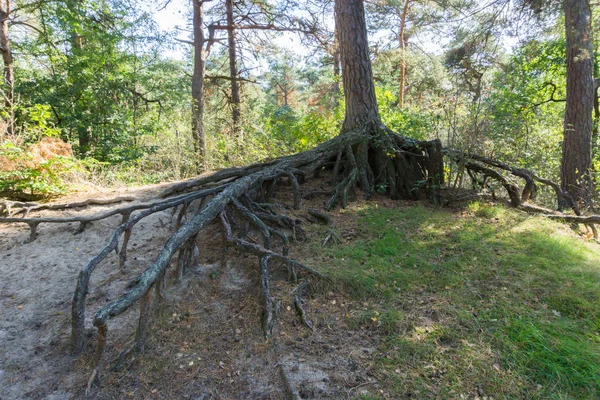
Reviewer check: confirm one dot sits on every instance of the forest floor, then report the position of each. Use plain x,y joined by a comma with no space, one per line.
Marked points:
473,302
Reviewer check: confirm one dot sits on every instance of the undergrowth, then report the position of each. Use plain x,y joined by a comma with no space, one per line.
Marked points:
479,302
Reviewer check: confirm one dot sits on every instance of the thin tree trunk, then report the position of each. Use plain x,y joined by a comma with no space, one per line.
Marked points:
359,89
233,71
7,58
198,87
403,51
577,153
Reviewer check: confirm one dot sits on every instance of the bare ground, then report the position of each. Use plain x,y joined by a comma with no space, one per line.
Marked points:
206,343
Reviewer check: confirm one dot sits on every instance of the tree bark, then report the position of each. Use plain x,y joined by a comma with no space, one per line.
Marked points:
357,73
198,86
7,58
577,153
233,71
402,40
336,65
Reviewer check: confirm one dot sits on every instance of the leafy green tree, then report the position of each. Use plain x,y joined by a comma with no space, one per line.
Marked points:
97,65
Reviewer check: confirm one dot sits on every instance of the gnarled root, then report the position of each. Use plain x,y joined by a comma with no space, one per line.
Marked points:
297,294
373,158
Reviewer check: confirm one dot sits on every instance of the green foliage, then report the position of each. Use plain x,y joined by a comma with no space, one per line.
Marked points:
298,133
22,173
106,86
524,109
22,168
35,122
98,75
414,124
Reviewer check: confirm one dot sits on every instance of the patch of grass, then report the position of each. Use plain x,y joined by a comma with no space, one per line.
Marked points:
389,322
556,355
486,301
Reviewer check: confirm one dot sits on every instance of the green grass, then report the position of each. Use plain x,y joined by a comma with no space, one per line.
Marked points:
486,301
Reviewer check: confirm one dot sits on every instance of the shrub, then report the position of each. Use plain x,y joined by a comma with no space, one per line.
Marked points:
37,169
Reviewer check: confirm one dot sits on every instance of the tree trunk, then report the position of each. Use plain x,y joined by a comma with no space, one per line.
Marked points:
357,74
336,66
233,71
577,153
402,40
198,87
7,58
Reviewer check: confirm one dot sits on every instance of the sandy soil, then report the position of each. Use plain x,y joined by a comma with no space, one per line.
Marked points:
207,343
36,287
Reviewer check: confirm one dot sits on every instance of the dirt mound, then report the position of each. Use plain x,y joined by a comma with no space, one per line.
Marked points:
49,147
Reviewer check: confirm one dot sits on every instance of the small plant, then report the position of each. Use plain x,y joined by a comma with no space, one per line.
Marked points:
381,188
24,171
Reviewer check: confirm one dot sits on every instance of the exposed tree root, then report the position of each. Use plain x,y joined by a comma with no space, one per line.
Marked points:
521,199
81,290
242,199
291,391
125,212
297,294
271,306
11,208
332,236
476,164
372,158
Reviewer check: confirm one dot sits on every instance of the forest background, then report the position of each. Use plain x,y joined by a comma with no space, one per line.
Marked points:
103,77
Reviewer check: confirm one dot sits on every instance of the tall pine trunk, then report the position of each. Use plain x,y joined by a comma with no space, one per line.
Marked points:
357,73
402,40
198,86
577,144
233,71
7,58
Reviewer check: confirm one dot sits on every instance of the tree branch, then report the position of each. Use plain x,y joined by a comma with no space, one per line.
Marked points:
268,27
552,99
228,78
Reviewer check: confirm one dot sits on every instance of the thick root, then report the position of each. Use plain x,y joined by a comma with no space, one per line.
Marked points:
374,159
